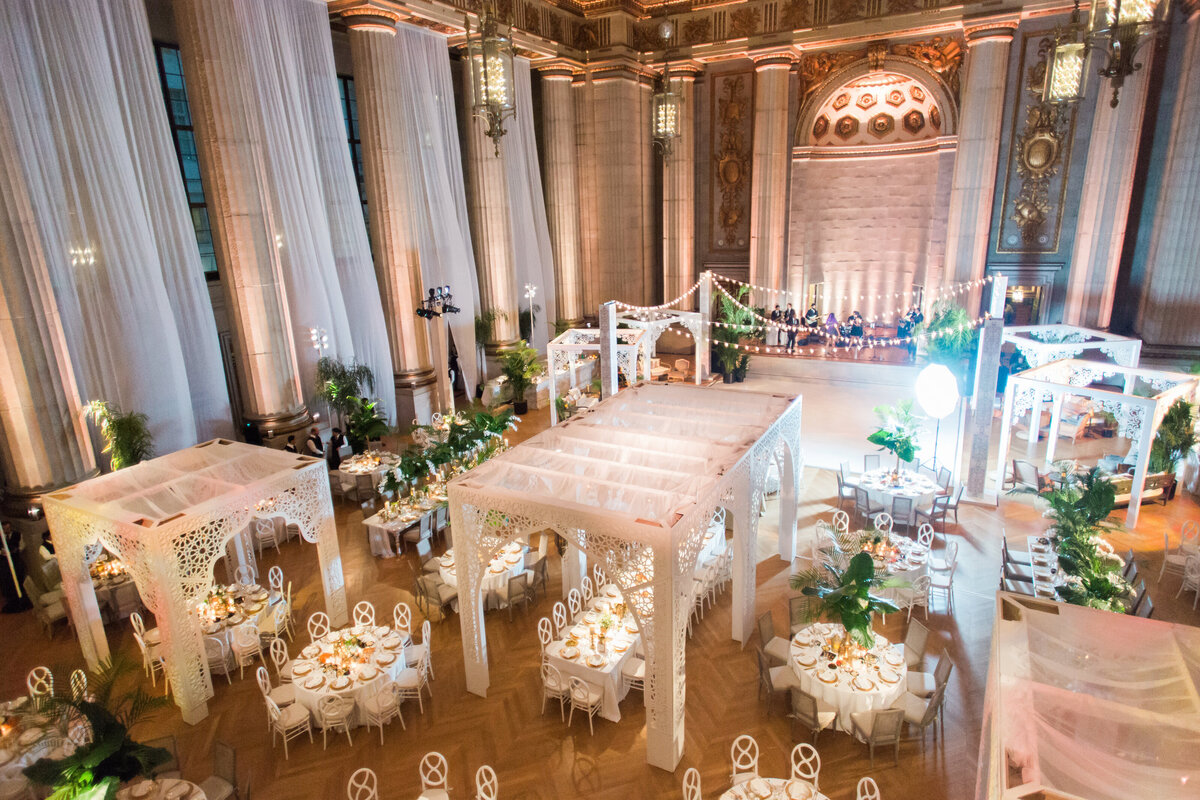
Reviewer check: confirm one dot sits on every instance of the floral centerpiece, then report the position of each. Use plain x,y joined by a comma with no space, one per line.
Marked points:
218,605
108,568
347,654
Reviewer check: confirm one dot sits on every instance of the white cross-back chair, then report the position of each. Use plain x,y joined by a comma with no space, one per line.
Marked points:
281,661
40,683
487,787
589,591
554,688
402,622
545,634
246,646
281,696
363,785
364,614
584,698
382,706
806,764
883,522
868,790
925,536
265,534
318,625
434,776
841,521
574,603
333,714
744,755
691,784
244,575
79,685
288,723
599,578
559,612
275,579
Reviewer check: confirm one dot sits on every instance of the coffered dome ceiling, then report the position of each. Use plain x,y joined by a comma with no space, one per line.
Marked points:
880,108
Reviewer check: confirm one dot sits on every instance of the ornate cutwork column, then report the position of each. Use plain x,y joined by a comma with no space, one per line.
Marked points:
491,227
217,69
679,192
1170,291
1104,202
980,121
562,191
769,172
44,443
377,69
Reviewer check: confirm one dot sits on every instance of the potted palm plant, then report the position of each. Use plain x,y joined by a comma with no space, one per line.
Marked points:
846,596
897,432
110,757
520,366
126,434
340,384
364,422
1175,438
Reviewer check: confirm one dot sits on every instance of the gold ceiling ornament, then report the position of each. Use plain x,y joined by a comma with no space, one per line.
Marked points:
816,67
941,54
733,159
1039,157
490,50
743,22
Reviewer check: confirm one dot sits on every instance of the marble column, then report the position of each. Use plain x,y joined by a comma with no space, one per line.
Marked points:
44,442
217,69
491,228
1170,291
375,53
559,166
979,127
679,193
769,170
1104,201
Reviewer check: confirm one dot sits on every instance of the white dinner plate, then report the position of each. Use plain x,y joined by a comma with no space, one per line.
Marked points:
888,675
893,658
339,683
301,668
569,653
381,631
30,736
312,651
595,660
806,659
368,673
143,789
385,660
179,790
798,790
315,682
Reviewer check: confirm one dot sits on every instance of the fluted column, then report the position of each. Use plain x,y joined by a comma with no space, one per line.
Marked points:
1171,291
979,126
769,171
44,443
1104,201
375,53
562,191
491,228
679,194
218,72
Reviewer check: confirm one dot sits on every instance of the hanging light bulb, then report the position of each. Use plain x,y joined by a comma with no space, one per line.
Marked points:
490,49
1118,30
1065,64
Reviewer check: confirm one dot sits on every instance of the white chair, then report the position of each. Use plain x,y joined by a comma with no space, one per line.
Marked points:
878,728
943,583
288,723
152,662
811,712
281,661
915,595
420,655
222,783
265,533
633,673
841,521
151,637
867,790
244,575
545,634
925,536
585,698
275,580
40,683
364,614
318,626
281,696
246,646
219,660
275,626
776,647
945,562
744,755
922,684
434,774
402,622
806,764
382,706
589,590
574,603
1173,562
559,612
487,786
334,713
883,522
914,644
409,686
599,578
554,688
1191,579
691,784
363,785
79,685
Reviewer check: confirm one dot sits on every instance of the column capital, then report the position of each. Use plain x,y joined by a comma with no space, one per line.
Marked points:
556,69
685,70
770,59
370,18
990,29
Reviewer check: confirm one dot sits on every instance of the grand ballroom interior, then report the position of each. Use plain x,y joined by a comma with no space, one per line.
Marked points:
802,392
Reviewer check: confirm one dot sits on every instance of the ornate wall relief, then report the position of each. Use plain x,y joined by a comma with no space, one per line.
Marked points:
731,124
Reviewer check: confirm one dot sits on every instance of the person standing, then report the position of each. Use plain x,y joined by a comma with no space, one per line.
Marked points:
313,445
791,320
812,317
290,447
14,572
773,331
337,440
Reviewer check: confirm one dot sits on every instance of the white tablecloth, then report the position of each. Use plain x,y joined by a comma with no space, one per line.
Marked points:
224,629
358,688
373,464
508,563
33,737
606,677
842,694
910,563
1046,574
163,789
913,486
778,789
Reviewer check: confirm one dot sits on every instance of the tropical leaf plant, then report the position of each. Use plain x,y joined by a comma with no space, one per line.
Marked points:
340,384
520,366
110,755
846,596
738,322
1175,438
897,431
126,434
363,421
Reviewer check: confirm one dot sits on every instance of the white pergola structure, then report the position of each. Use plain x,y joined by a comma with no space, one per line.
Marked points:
565,351
1042,344
169,520
1138,415
655,321
634,484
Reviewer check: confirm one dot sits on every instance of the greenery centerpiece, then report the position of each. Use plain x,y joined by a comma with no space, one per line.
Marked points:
846,595
126,434
520,366
109,756
897,432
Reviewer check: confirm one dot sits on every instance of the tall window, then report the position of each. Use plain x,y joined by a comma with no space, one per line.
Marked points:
170,71
350,115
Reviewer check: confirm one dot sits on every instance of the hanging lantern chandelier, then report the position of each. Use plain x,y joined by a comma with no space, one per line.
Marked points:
1117,31
665,104
490,49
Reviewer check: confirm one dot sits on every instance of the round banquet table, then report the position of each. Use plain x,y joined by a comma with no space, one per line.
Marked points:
255,608
162,789
385,662
839,688
913,486
508,563
908,564
773,789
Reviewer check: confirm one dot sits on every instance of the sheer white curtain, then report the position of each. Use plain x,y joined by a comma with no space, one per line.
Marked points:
59,93
532,254
443,230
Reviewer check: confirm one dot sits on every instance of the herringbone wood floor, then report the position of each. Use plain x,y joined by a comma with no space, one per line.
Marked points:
538,756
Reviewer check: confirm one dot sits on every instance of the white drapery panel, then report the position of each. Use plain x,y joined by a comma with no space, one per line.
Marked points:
442,228
334,173
533,256
58,88
157,172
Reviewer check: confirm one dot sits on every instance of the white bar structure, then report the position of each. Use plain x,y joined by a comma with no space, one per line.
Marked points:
565,351
634,484
1138,416
1041,344
169,521
654,322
